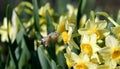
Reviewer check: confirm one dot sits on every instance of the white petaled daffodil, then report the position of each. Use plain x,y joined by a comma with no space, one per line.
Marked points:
97,27
116,31
42,12
88,44
72,12
4,31
80,61
61,25
67,35
43,9
111,52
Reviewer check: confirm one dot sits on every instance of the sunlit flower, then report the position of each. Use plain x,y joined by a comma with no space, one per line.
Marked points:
111,52
61,25
68,56
4,31
65,37
72,12
116,31
80,61
88,44
82,21
43,9
97,27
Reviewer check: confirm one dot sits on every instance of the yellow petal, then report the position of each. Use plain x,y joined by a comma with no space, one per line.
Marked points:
65,37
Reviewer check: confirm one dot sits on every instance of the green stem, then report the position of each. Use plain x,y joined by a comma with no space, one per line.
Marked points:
113,22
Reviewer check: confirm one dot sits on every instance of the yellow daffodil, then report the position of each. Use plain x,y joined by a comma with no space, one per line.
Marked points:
82,21
80,61
116,31
43,9
97,27
4,31
61,25
111,52
88,44
72,12
68,56
42,12
65,37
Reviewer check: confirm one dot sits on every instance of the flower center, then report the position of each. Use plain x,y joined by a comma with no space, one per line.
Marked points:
86,48
65,37
116,53
96,32
81,66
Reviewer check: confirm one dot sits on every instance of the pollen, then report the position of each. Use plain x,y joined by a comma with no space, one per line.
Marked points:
65,37
116,53
86,48
81,66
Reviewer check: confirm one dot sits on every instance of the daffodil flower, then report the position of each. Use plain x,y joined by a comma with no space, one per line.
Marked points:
72,12
67,35
43,9
61,25
11,30
42,12
80,61
111,52
68,56
88,44
4,31
97,27
116,31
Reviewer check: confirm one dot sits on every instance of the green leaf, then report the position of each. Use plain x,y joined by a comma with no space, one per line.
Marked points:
25,56
59,67
50,27
20,36
45,62
118,17
36,16
53,64
81,8
11,62
61,60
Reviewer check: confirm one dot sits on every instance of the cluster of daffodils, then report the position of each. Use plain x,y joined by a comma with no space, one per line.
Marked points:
99,46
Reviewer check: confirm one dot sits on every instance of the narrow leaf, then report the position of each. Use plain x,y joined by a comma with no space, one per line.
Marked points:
44,61
25,56
50,27
53,64
36,16
81,7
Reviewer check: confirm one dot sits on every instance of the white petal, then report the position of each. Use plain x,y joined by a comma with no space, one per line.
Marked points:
111,41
